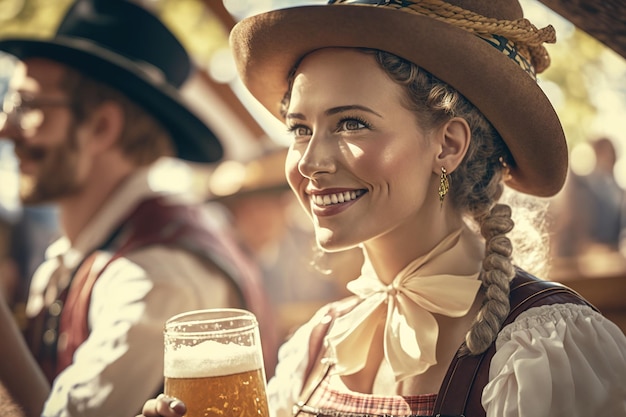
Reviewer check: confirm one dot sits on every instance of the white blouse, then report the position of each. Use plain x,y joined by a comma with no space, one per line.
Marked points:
131,300
555,360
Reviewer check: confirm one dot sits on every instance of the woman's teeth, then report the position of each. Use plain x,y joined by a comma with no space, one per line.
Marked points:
328,199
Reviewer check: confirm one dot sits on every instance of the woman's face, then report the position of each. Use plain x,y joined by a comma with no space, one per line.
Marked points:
359,163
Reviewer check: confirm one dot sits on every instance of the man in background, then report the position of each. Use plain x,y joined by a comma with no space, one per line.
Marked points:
90,111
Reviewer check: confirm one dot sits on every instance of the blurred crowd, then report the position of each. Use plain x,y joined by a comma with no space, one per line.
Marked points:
589,217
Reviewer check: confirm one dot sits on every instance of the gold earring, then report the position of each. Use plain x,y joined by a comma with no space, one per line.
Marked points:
444,185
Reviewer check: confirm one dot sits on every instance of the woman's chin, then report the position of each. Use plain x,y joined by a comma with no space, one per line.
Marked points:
328,243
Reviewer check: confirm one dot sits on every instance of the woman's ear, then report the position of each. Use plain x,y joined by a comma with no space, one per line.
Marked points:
454,138
104,126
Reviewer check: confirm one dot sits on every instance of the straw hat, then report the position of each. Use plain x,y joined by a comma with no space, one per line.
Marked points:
483,48
125,46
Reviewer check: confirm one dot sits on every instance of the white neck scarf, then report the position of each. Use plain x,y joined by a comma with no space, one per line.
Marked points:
411,331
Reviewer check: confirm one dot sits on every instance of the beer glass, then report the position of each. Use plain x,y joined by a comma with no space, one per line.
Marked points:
214,364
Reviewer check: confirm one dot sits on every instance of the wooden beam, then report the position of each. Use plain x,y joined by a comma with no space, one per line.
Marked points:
605,20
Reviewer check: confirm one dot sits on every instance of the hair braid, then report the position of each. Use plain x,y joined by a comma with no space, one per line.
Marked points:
496,275
478,187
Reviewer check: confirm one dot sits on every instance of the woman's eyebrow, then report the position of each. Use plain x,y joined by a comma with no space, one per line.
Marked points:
335,110
298,116
341,109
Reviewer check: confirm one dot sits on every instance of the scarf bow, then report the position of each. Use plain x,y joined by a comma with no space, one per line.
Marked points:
407,306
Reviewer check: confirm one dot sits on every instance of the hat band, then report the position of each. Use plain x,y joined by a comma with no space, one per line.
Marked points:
509,49
518,39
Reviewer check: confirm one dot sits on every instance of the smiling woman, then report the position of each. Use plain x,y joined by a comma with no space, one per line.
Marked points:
421,158
403,146
358,141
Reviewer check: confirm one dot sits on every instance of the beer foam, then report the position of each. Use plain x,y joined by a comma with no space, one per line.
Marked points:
210,358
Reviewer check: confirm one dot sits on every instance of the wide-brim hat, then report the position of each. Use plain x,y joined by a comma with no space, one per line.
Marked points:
125,46
494,73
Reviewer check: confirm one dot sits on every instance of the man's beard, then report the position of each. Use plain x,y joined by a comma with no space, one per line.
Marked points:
57,176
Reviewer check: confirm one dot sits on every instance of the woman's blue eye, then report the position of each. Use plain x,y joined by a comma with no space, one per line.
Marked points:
302,131
299,130
352,124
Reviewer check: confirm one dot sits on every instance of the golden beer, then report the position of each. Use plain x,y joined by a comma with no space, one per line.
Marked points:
213,363
238,395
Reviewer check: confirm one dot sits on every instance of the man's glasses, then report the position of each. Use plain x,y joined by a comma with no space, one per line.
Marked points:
25,112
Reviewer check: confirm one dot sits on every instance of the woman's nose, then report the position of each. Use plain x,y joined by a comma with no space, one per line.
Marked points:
318,158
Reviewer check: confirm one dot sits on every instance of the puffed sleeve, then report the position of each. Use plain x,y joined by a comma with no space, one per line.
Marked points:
284,388
558,360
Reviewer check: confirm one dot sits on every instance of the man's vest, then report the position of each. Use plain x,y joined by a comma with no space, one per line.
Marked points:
461,390
60,329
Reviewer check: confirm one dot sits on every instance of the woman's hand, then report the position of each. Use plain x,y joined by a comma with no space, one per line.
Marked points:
164,406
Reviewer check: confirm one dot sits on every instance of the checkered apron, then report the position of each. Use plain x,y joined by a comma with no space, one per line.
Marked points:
326,401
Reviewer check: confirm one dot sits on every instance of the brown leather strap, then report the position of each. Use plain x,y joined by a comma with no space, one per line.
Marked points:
461,391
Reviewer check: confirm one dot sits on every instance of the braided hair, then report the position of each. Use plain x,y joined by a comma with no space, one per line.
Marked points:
477,186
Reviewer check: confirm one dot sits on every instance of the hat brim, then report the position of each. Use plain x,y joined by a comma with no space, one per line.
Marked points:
193,139
267,46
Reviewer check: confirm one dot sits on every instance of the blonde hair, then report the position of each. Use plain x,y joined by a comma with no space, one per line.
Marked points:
143,139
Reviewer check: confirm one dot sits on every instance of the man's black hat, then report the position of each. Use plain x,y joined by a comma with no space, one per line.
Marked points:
125,46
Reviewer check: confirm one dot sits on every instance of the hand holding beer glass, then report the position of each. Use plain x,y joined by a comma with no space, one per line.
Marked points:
214,363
